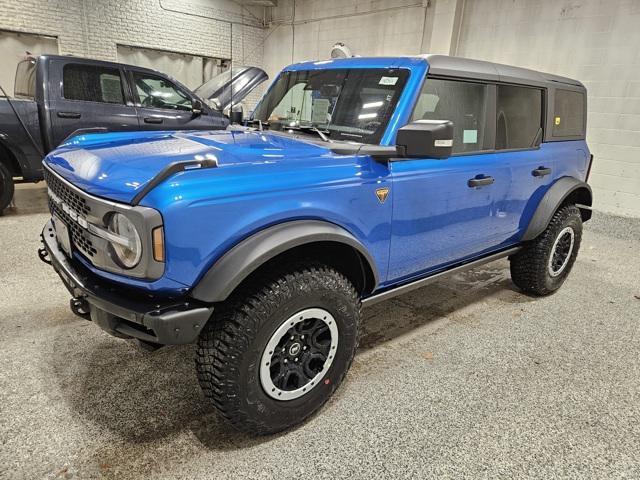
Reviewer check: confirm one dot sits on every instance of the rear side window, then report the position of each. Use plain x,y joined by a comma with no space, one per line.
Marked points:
25,84
91,83
464,103
568,114
519,117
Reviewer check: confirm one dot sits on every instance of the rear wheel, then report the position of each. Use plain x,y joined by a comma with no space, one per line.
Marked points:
6,187
277,350
543,265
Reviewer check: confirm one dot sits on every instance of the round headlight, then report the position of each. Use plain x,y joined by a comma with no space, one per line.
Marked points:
128,248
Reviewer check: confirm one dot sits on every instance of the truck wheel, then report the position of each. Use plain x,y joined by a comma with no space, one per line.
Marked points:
277,349
6,187
543,264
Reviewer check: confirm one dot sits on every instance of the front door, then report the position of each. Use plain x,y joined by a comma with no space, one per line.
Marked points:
164,105
447,210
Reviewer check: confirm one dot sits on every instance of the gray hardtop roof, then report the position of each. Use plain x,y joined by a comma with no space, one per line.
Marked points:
468,68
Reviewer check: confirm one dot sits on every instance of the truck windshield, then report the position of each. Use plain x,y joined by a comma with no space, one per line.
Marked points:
345,104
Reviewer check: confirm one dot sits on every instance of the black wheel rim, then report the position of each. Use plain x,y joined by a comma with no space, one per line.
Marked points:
561,252
298,354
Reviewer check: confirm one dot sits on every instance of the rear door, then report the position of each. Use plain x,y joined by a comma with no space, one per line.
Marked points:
519,132
85,95
165,105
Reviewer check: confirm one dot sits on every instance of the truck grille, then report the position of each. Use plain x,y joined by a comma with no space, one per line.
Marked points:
79,236
68,196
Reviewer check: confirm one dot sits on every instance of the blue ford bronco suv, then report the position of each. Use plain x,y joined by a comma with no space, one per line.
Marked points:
354,180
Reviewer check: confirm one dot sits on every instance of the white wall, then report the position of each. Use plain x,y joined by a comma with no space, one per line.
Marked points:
595,41
368,27
94,28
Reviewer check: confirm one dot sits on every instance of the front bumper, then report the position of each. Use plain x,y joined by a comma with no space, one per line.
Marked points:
116,311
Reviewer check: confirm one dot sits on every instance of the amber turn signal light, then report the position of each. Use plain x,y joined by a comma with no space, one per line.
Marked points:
158,244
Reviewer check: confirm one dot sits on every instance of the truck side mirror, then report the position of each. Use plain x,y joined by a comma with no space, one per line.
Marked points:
196,107
426,139
236,114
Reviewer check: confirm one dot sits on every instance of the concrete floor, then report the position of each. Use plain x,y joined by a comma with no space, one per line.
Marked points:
464,378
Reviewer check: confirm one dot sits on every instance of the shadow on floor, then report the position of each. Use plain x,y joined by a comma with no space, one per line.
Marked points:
143,396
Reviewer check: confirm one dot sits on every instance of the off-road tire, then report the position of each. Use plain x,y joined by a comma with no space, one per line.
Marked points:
530,266
6,187
231,345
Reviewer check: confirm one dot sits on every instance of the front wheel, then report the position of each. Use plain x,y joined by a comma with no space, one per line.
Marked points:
277,350
6,187
543,265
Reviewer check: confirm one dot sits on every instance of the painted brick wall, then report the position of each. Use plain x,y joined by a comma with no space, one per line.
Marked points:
93,28
595,41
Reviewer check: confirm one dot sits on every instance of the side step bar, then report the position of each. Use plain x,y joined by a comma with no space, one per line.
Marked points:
408,287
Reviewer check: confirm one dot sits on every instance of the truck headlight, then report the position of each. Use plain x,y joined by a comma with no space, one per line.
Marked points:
126,241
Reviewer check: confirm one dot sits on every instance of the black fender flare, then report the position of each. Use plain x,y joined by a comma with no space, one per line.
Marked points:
555,196
248,255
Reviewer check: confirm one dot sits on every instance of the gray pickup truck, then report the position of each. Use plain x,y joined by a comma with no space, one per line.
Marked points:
56,97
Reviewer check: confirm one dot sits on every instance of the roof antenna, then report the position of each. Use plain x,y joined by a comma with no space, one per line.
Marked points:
231,71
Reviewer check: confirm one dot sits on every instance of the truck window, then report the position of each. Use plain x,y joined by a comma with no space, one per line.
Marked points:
519,117
91,83
464,103
25,84
347,104
568,114
158,92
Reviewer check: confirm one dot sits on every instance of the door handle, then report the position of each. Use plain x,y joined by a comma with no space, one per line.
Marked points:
541,171
155,120
480,181
69,114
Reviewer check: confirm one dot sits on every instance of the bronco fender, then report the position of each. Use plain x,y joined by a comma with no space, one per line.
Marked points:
577,191
243,259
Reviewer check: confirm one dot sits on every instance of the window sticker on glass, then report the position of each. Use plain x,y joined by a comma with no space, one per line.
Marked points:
388,81
320,110
470,136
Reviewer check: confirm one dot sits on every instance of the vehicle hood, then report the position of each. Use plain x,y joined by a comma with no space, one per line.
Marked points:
118,165
231,86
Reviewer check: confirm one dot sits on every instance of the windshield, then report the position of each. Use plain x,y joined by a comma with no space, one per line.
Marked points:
346,104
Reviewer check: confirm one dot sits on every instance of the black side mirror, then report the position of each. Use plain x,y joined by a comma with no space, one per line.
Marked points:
425,139
196,107
236,114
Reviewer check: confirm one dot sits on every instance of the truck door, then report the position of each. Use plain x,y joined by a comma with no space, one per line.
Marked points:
447,210
165,105
533,166
85,95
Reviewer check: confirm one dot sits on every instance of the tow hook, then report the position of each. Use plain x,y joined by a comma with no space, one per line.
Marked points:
80,307
43,254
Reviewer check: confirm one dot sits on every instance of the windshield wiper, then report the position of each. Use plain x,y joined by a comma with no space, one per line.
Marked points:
260,123
321,133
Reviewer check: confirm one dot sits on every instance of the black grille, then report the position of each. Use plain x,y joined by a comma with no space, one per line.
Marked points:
68,196
79,236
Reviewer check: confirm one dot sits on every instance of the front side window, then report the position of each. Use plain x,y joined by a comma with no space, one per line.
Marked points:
568,116
91,83
463,103
158,92
346,104
519,117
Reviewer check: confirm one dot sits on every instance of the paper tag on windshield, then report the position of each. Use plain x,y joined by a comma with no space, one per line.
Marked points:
320,111
388,81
